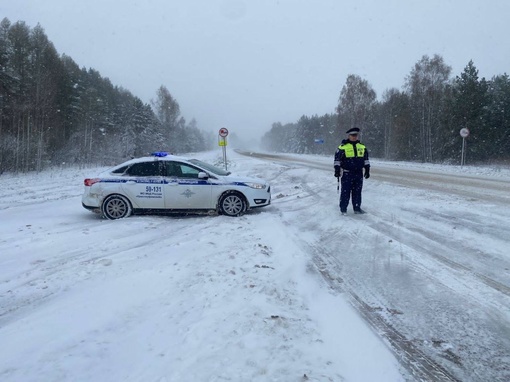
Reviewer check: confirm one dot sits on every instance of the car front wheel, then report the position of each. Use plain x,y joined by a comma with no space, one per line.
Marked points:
232,205
116,207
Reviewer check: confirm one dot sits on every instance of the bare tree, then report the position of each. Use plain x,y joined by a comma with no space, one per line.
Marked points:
356,101
426,86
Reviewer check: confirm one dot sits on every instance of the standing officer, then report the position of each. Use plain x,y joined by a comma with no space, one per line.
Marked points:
351,158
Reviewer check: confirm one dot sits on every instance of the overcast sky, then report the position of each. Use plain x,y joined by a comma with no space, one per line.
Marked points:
244,64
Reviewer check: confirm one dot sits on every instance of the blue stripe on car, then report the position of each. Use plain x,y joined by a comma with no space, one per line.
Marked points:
158,181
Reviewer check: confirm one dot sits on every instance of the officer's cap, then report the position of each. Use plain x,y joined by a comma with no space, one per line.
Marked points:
353,131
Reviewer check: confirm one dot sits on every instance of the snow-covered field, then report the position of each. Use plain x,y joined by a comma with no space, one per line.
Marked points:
417,289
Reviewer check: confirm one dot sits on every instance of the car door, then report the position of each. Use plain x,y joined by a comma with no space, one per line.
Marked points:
183,188
144,185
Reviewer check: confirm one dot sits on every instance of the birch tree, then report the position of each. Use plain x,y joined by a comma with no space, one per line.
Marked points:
426,85
356,101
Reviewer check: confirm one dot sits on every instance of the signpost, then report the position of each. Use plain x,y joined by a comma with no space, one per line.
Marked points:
222,141
464,133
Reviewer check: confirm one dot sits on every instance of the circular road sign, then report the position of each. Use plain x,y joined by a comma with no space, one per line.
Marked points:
223,132
464,132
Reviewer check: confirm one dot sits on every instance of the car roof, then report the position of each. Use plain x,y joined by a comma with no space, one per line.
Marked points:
167,157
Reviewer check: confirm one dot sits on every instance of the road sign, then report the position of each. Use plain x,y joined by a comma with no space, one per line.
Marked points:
464,132
223,143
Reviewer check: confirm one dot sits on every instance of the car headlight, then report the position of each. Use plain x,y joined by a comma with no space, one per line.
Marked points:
258,186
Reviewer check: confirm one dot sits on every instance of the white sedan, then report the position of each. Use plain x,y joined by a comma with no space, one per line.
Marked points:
168,183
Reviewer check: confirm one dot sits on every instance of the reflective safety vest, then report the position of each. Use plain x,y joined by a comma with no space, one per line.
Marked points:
348,149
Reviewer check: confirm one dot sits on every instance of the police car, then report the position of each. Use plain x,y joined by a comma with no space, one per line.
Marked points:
167,183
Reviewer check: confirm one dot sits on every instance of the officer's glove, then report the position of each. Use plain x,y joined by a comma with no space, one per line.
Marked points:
337,173
367,172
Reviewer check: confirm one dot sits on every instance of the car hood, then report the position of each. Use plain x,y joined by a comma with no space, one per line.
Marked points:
239,179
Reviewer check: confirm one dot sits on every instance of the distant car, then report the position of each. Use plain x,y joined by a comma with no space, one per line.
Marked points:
163,183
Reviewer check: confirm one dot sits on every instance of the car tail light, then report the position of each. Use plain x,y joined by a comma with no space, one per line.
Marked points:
89,182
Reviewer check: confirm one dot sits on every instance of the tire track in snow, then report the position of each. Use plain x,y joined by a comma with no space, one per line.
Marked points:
415,361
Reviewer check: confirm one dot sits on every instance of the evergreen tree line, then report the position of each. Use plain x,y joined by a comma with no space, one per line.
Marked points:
53,112
421,122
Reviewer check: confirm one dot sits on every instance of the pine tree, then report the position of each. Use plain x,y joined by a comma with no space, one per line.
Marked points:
469,101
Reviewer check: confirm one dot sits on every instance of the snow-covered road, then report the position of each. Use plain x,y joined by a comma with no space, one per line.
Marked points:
428,267
417,289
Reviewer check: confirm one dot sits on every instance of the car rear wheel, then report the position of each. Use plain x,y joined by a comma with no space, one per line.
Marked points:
232,204
116,207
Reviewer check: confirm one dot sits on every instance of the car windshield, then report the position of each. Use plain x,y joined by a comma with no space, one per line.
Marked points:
210,167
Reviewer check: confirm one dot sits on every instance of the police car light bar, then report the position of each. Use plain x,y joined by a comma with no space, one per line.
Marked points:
159,154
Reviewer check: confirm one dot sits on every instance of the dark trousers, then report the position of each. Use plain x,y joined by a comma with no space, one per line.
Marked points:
352,184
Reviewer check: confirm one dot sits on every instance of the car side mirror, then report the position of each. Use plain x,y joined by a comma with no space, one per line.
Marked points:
203,175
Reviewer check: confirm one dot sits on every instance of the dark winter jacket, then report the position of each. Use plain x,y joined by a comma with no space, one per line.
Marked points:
351,156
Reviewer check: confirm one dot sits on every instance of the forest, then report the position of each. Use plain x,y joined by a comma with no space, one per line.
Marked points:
421,122
54,113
